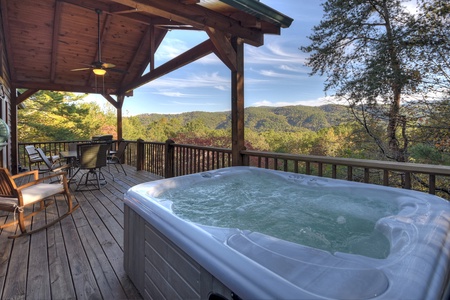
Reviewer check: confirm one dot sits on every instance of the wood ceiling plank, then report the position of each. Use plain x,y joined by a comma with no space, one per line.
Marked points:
7,39
196,16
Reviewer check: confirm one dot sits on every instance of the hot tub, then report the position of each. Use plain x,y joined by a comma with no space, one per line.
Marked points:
251,233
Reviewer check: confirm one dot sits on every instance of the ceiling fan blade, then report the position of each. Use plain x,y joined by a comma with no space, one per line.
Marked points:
108,65
118,70
81,69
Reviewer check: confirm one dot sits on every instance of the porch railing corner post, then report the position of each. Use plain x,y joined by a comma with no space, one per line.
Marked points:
169,159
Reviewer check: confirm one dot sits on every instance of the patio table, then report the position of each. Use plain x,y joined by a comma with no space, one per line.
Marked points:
71,157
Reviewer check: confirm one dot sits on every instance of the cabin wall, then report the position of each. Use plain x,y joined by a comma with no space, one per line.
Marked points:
5,98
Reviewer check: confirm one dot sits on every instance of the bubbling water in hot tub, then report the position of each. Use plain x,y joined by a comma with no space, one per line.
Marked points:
327,218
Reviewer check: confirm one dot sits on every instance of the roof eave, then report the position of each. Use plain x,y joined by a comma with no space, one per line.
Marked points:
262,11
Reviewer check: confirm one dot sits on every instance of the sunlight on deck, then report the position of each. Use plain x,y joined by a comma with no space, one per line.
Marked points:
80,257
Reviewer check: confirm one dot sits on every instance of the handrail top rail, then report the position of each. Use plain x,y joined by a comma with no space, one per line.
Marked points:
355,162
226,150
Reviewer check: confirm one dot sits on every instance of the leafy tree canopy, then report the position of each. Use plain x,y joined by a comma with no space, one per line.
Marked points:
373,54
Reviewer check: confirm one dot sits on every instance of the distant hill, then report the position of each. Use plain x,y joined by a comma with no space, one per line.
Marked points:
287,118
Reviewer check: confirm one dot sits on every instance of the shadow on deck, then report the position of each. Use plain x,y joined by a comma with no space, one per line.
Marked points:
80,257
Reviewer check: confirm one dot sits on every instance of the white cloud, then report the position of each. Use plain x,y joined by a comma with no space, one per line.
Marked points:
295,69
273,74
213,80
196,103
170,48
274,53
312,102
172,94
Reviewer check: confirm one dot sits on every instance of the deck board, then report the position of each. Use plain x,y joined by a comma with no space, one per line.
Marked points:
81,256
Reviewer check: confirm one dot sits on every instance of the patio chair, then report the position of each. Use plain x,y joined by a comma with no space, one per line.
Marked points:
34,158
17,199
92,157
51,167
115,158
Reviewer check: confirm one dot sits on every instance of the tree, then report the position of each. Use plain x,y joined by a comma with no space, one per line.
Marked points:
52,116
367,51
133,128
433,36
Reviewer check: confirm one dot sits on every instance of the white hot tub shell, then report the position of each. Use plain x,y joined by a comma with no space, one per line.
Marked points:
169,257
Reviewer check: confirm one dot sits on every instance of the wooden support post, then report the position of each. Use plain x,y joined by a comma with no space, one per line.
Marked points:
120,100
14,137
237,104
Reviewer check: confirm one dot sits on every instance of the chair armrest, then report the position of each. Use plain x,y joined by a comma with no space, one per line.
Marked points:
39,180
35,174
62,168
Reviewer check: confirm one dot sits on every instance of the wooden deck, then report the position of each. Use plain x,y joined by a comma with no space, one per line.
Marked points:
79,258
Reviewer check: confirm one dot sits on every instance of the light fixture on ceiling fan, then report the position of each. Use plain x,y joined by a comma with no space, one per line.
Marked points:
98,67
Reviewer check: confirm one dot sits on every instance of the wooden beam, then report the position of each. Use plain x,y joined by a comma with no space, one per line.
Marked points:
190,1
183,59
55,41
156,37
111,100
25,95
223,48
237,104
196,16
144,41
50,86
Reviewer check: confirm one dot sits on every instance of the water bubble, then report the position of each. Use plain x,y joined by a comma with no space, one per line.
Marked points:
341,220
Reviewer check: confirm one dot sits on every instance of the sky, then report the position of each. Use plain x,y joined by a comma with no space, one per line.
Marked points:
275,73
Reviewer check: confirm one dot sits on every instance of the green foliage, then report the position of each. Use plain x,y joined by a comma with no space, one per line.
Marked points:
321,130
133,129
52,116
374,53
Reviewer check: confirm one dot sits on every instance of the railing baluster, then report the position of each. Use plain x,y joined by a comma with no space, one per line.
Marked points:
188,159
432,184
366,175
407,180
386,177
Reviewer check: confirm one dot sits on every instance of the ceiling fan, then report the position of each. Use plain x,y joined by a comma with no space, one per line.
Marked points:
99,67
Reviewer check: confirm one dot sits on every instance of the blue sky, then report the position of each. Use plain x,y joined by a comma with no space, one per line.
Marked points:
275,74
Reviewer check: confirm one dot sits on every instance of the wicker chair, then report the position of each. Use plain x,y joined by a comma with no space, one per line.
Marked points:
92,158
17,199
115,158
34,158
51,167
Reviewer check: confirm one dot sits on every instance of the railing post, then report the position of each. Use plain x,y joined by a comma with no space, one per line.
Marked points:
245,158
140,159
169,158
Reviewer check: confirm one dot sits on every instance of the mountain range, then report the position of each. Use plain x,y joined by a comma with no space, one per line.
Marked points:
263,118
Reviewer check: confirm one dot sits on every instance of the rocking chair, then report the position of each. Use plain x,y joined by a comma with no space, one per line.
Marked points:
15,198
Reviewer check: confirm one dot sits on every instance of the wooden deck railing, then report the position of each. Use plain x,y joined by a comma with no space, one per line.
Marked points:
170,159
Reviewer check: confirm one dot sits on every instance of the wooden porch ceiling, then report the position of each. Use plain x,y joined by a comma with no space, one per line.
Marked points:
46,39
